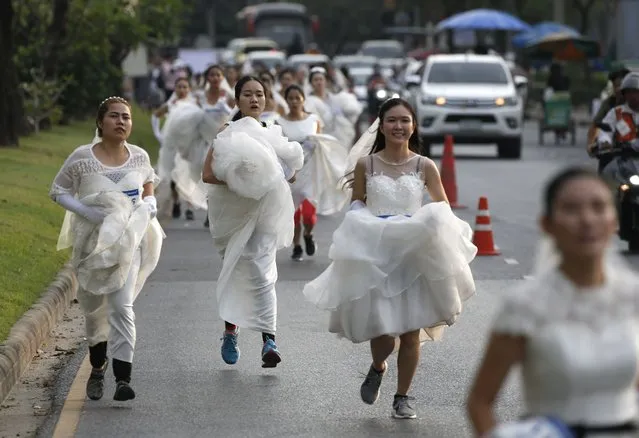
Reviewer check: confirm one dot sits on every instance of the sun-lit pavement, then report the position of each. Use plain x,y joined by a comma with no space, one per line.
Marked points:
185,390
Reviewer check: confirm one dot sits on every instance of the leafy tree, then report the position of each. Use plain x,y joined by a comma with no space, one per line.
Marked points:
85,42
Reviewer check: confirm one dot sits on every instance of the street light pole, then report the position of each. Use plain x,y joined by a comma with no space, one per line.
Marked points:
559,11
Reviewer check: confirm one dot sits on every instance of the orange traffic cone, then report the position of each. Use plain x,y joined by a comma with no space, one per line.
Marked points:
448,175
483,235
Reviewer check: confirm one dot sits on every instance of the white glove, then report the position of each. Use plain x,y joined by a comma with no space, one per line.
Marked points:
153,205
92,214
357,205
155,125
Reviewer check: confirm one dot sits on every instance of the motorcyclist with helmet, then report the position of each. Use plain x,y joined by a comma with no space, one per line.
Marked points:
622,121
615,99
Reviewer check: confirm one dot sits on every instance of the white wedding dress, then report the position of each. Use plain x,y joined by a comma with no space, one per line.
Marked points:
196,129
251,218
103,254
338,114
324,165
397,266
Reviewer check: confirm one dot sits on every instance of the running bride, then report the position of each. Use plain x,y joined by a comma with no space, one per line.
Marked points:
399,269
251,217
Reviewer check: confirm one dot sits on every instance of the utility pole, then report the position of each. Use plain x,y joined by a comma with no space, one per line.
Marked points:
559,11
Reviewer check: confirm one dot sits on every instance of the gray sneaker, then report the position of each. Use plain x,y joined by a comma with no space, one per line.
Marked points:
370,388
95,384
402,407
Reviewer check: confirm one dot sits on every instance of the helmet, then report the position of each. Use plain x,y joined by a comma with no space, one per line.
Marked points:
618,73
630,82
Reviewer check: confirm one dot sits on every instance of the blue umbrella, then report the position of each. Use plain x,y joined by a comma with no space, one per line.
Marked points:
482,19
539,31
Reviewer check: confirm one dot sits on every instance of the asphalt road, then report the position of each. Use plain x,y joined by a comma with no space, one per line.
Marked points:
185,390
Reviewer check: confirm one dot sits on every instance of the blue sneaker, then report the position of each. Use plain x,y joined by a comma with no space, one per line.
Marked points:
230,350
270,354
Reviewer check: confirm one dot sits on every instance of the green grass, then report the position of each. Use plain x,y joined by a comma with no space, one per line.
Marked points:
29,221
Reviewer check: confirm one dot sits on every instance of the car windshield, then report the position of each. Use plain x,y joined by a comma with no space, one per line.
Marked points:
467,73
383,51
257,48
269,63
282,30
360,78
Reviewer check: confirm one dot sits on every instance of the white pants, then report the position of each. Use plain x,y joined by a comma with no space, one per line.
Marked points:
111,318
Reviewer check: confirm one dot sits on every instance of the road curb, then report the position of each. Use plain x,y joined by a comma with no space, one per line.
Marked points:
34,328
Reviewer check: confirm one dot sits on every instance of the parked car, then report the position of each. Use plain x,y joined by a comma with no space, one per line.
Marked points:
307,59
270,59
354,61
389,53
472,97
241,47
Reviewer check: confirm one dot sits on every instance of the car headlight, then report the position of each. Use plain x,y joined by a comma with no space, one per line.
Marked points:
433,100
506,101
634,180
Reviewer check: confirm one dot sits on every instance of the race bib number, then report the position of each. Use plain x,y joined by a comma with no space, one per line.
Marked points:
622,128
134,195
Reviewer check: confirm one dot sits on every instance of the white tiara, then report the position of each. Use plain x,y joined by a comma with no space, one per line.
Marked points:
111,97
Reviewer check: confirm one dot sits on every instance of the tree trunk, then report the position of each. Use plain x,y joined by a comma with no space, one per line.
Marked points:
10,98
56,33
584,7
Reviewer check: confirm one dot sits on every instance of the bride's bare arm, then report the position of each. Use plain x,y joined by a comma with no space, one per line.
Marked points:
207,172
502,353
359,181
433,181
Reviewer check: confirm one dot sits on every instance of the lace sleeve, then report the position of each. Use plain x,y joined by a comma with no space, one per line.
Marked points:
67,179
517,316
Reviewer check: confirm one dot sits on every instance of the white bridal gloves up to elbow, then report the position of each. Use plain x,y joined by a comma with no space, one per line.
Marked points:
92,214
95,215
153,205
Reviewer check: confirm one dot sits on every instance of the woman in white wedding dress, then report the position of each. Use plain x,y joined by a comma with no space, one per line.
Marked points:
338,112
194,131
251,216
276,105
107,189
399,269
573,329
315,190
167,193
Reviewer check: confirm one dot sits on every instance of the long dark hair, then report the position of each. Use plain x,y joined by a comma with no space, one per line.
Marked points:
294,87
212,67
238,92
379,144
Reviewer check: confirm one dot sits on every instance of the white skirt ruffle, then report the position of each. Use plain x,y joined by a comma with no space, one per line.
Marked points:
390,276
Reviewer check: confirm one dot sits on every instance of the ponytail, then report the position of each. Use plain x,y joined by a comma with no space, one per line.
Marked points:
238,115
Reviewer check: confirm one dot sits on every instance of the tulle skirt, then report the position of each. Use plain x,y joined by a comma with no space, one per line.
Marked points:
394,275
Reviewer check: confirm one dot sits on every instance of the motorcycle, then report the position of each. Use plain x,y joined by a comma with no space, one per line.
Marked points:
623,170
377,95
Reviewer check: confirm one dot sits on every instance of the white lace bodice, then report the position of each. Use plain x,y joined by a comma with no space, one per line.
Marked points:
582,347
394,189
83,174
